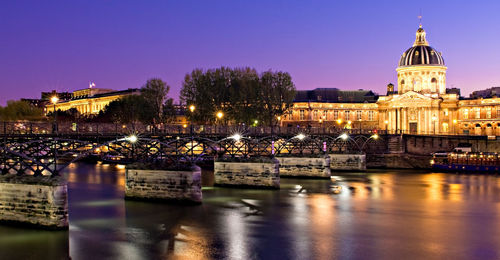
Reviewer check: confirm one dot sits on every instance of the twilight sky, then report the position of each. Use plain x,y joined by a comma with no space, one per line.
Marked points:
348,44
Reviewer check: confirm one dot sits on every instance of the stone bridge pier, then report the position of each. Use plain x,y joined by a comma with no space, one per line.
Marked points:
40,201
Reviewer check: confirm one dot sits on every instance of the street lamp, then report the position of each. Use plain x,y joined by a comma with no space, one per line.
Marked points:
386,122
54,100
455,126
219,116
191,108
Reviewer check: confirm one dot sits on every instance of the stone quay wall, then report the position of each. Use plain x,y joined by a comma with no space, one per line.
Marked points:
34,200
318,167
164,184
347,162
399,161
251,174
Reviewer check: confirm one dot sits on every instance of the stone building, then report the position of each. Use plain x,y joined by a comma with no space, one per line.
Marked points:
90,100
333,107
421,104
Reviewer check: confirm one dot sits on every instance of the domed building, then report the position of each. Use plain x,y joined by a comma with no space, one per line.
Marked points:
421,68
421,104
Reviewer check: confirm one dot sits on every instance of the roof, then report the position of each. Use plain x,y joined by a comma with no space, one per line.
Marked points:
334,95
421,53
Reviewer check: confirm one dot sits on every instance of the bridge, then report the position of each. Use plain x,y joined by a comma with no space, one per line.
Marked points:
162,163
50,154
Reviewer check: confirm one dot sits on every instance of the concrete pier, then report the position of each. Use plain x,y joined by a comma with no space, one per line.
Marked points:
173,185
39,201
315,167
263,174
347,162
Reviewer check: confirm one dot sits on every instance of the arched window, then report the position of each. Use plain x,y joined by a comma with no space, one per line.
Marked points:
402,85
434,87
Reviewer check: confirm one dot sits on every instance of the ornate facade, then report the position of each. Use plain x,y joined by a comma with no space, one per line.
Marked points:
421,105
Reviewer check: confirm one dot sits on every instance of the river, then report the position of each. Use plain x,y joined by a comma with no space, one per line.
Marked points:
383,214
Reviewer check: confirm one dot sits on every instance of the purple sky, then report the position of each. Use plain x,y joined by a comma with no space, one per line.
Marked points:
63,45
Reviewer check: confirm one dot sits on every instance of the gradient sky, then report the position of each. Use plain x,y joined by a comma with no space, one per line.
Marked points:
349,44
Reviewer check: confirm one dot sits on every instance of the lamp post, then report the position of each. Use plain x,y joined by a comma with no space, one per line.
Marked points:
54,100
191,108
386,122
455,126
434,124
220,115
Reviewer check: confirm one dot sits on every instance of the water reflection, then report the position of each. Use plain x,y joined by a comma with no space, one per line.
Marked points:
385,215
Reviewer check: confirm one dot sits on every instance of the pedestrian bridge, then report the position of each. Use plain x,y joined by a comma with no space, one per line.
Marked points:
51,154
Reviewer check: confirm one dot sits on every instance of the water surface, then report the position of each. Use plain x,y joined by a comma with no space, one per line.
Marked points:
383,215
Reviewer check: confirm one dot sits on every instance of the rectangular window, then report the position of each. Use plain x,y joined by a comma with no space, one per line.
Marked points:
498,112
488,112
325,115
478,113
335,114
370,115
359,115
466,114
445,112
315,115
347,115
301,114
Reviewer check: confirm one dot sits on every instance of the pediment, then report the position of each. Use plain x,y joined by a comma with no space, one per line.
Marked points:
411,98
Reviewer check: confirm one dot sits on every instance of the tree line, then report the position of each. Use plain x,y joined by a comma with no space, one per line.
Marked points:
242,95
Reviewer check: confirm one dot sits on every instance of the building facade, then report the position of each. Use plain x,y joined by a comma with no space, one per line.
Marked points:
421,104
90,101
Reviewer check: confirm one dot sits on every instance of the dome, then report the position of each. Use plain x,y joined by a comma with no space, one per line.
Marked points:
421,53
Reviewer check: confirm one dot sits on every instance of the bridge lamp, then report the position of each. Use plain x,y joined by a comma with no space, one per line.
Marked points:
339,121
132,138
236,137
375,136
279,118
220,115
344,136
192,108
300,136
349,122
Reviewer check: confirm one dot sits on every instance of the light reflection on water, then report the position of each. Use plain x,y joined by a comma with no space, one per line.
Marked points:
385,215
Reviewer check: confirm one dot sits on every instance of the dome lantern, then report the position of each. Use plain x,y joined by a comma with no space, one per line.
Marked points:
420,39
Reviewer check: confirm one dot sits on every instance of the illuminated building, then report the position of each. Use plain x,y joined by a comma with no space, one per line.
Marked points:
421,105
334,108
90,100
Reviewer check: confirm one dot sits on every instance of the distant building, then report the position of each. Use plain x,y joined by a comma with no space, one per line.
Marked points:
487,93
46,96
333,107
91,100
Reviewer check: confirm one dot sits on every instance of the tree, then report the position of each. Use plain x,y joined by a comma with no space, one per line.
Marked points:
277,94
240,93
155,93
20,110
128,109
